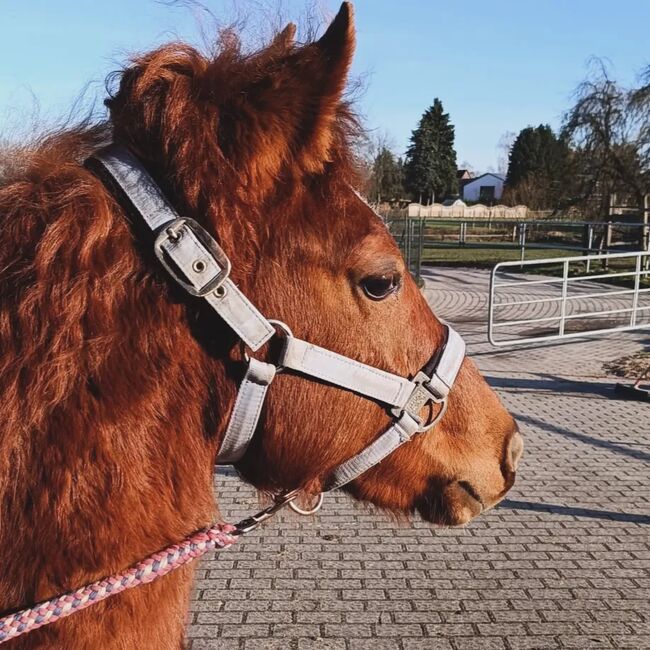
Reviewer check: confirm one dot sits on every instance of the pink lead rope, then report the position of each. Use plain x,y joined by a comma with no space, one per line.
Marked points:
154,566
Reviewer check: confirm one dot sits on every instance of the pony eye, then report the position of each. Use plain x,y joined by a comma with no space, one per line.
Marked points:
378,287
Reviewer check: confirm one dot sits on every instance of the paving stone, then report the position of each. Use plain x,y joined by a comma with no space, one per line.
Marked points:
563,562
321,644
264,643
425,644
374,644
215,644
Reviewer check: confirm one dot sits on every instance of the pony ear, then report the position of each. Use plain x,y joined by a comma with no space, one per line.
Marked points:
279,107
284,40
332,56
337,43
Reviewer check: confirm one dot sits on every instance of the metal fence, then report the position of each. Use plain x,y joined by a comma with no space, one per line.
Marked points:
421,238
409,235
562,299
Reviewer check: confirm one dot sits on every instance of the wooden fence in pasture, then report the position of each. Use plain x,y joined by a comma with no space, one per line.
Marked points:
459,210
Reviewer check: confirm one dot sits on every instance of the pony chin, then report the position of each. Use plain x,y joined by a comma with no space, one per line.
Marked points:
455,504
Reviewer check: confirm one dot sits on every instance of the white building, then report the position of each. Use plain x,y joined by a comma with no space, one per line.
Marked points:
486,188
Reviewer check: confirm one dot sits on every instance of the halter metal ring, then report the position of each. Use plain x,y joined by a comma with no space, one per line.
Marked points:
436,418
311,511
279,325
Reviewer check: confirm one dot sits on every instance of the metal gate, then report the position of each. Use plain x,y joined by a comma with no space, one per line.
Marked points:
409,235
564,297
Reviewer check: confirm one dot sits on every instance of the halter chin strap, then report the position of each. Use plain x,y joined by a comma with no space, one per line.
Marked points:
198,264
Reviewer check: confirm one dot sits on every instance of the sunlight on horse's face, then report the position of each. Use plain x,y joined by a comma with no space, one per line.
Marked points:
344,286
329,268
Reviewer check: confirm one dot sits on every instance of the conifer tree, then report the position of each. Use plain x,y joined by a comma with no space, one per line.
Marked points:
430,167
537,168
536,152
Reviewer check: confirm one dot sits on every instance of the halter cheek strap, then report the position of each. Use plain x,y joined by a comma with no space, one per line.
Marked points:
188,253
198,264
246,412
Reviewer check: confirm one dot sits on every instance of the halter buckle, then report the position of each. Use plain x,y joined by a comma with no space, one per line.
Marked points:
424,393
187,261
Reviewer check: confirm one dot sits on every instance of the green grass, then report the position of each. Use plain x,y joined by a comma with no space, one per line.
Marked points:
486,258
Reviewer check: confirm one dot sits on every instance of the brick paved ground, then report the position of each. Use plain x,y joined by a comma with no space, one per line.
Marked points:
564,562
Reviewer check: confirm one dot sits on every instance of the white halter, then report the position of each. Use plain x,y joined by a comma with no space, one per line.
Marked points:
198,264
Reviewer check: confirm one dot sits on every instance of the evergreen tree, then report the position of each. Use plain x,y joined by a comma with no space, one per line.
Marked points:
386,182
538,161
430,167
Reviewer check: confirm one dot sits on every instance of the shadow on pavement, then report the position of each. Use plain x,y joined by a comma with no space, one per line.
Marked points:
513,349
614,447
552,384
574,511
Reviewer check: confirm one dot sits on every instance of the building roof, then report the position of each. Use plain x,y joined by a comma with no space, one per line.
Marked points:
497,176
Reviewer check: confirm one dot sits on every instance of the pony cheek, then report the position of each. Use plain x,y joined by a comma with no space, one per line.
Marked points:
396,483
311,428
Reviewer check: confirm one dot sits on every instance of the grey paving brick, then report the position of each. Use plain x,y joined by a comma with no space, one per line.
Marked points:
214,644
399,630
426,644
587,642
348,631
533,643
321,644
482,643
374,644
264,643
245,631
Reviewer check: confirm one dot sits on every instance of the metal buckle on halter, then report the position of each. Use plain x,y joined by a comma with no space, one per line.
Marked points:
173,232
423,393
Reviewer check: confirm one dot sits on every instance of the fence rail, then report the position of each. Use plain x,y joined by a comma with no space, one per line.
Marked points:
526,309
420,237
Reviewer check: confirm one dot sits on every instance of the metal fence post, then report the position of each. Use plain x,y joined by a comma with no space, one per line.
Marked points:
420,246
635,295
407,242
565,289
607,244
645,232
522,240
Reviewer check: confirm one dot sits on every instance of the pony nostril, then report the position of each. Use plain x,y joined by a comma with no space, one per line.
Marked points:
514,451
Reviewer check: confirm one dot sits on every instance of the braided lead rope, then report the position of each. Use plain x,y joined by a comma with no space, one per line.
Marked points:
154,566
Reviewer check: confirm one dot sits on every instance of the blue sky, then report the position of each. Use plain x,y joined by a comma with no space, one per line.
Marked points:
497,66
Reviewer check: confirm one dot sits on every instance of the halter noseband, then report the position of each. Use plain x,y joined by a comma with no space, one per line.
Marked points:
197,263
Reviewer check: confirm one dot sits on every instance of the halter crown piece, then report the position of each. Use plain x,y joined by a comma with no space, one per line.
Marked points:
197,263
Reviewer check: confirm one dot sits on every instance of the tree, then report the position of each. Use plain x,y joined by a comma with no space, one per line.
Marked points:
537,168
639,102
609,130
386,178
378,167
504,146
430,167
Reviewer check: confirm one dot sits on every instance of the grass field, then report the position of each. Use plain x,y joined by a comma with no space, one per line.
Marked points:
487,258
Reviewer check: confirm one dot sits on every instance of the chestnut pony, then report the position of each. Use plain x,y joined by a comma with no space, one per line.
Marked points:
117,388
